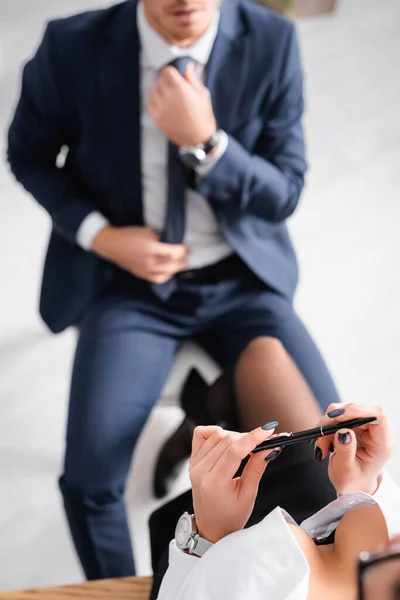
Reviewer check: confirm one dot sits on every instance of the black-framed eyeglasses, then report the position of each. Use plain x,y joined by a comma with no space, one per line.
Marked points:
379,575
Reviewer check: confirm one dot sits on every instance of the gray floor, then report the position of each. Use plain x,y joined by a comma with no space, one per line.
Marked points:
346,233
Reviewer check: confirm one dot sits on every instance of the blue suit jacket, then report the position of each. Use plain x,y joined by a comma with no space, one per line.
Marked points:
82,90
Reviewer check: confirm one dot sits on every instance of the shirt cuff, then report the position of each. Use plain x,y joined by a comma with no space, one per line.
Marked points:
89,228
179,569
211,160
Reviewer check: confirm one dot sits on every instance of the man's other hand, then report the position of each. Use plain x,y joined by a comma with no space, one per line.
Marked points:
139,251
181,107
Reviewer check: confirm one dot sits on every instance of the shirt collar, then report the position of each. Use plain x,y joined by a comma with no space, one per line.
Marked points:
157,52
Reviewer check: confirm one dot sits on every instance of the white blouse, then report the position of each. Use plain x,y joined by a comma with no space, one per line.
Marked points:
265,561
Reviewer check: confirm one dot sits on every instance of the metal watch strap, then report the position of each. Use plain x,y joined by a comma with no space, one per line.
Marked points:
210,144
199,545
207,147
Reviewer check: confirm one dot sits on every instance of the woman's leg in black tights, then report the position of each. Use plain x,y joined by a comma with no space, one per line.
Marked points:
268,386
265,385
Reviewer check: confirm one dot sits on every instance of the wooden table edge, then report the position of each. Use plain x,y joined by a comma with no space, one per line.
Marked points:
134,588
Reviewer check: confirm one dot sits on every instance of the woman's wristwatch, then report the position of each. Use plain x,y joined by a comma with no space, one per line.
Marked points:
187,537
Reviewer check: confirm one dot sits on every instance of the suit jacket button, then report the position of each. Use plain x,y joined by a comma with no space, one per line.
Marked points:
224,194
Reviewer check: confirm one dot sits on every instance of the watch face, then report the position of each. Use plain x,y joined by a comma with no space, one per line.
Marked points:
183,531
194,158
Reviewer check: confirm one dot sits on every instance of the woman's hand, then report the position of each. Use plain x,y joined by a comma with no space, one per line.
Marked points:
222,504
357,456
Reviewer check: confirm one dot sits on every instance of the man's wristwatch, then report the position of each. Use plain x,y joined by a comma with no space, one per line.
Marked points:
187,538
194,156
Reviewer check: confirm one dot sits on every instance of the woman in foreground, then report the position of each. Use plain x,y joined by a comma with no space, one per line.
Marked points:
276,559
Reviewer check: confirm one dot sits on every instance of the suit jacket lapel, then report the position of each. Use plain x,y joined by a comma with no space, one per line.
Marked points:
119,100
227,66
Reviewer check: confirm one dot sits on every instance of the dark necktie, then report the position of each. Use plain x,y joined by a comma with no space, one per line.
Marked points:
178,180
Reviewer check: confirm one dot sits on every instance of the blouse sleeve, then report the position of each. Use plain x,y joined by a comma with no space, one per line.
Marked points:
387,496
263,561
180,567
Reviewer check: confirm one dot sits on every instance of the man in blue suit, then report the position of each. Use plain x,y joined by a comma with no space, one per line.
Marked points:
181,125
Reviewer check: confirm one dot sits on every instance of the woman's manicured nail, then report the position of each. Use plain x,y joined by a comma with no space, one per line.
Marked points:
273,455
336,413
318,454
270,425
345,438
331,447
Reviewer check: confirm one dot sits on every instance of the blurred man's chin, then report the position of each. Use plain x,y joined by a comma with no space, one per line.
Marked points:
188,17
188,21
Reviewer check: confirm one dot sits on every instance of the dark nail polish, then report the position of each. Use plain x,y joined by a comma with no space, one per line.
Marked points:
270,425
345,438
318,454
331,447
336,413
312,441
273,455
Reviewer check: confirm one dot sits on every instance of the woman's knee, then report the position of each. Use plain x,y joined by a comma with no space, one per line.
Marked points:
266,348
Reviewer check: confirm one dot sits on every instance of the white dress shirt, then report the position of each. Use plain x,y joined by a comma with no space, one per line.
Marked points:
265,562
202,233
